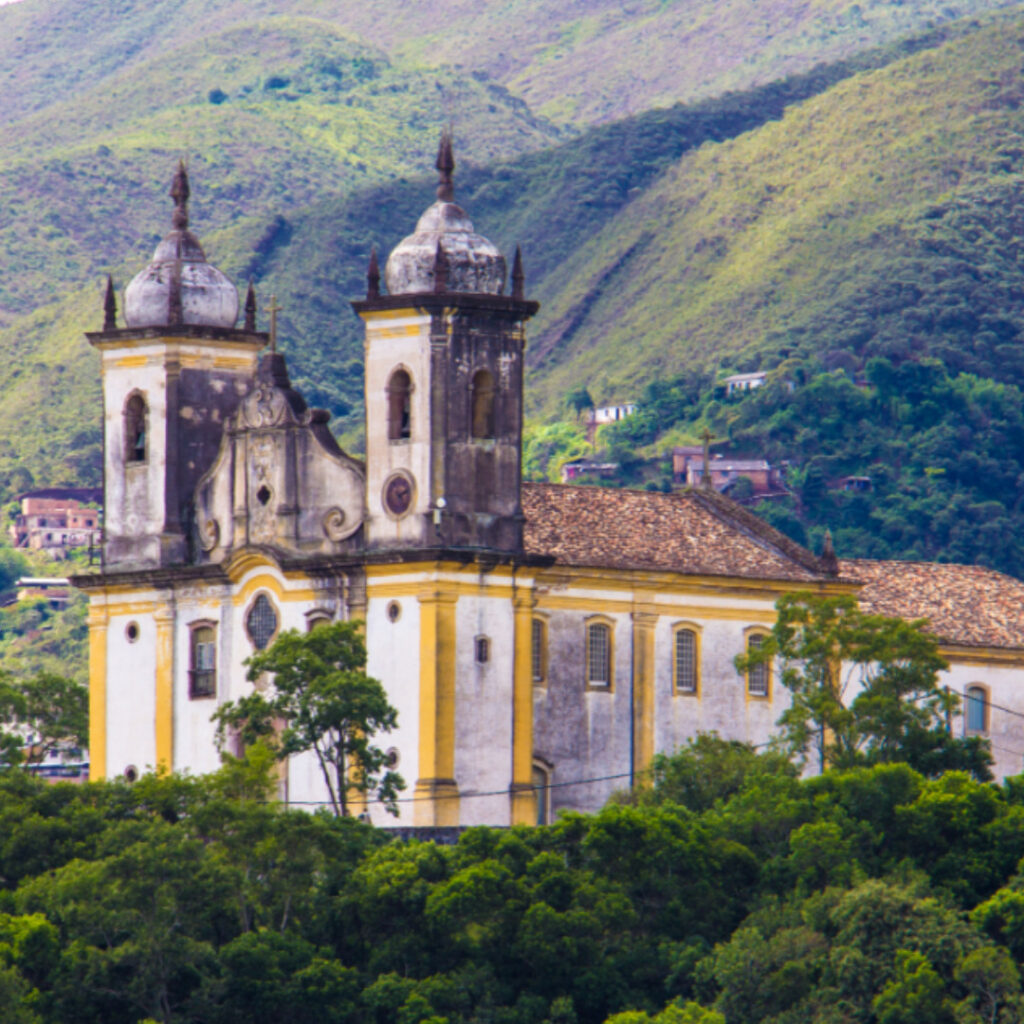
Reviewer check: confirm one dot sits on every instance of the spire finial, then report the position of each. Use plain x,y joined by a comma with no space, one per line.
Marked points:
110,307
373,276
518,280
828,559
440,269
445,167
180,193
250,308
273,309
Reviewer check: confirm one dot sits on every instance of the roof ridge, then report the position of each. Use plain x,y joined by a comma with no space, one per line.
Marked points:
742,518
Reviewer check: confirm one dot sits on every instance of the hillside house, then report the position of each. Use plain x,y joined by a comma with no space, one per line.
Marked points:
57,519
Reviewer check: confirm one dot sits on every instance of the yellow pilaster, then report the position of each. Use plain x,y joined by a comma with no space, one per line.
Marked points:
164,689
98,620
643,694
524,799
437,793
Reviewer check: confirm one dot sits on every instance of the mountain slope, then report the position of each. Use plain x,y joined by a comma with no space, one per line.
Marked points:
885,209
582,61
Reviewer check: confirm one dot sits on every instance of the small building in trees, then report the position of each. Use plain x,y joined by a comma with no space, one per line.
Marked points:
540,642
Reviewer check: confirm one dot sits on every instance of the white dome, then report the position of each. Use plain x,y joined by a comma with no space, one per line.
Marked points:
472,263
179,286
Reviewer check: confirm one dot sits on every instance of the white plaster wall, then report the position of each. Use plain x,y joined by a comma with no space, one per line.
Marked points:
131,695
393,657
387,349
584,734
721,704
195,746
125,511
483,709
1005,685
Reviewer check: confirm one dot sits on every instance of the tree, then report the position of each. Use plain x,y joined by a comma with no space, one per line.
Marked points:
579,399
39,713
328,705
830,651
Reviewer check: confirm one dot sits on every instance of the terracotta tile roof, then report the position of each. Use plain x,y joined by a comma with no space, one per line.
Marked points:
964,604
693,531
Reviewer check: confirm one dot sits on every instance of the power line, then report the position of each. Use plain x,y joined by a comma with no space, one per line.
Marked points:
493,792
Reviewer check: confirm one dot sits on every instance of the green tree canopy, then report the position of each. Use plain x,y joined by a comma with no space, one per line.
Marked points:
864,688
328,705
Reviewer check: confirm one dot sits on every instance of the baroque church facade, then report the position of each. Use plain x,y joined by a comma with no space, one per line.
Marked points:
541,643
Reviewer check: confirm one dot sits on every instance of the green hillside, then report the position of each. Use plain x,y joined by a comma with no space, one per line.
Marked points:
885,212
583,62
866,209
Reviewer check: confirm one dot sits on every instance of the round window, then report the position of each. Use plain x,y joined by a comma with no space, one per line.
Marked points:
131,632
394,611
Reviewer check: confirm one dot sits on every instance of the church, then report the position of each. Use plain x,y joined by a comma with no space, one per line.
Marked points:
540,642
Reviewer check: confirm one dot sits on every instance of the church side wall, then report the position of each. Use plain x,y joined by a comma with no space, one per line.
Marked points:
1000,681
483,715
584,734
130,714
393,650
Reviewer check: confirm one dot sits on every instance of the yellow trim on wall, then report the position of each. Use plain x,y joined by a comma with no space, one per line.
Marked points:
133,362
956,655
164,724
644,623
97,692
436,793
611,606
523,797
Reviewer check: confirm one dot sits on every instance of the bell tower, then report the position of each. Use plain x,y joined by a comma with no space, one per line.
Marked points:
444,386
171,377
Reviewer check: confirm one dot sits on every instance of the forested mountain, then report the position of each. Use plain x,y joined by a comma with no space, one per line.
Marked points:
863,209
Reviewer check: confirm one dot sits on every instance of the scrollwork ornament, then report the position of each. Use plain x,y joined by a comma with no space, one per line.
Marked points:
335,526
209,534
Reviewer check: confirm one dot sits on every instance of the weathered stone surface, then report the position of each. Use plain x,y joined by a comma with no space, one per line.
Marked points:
280,480
472,263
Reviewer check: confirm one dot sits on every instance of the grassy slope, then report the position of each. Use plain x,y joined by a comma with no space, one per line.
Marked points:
588,60
743,249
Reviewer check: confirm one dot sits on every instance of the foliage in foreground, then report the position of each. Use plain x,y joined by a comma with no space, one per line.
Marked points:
872,895
328,705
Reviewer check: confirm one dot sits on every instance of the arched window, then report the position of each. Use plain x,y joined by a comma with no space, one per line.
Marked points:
599,655
758,676
685,666
483,405
399,406
976,709
202,671
135,429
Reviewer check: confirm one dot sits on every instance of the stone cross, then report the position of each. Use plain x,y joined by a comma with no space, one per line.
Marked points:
273,309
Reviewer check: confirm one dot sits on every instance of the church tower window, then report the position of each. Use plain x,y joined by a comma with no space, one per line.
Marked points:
483,405
135,429
399,406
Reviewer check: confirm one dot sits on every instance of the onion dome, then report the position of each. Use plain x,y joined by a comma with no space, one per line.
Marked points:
179,286
444,253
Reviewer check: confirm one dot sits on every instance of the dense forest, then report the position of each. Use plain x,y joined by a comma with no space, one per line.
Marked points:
730,891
